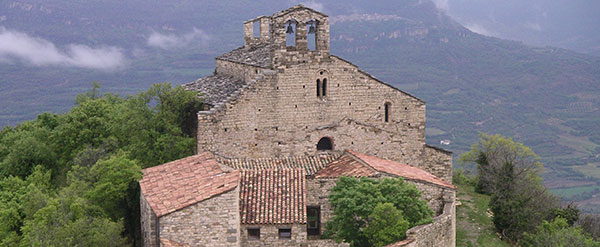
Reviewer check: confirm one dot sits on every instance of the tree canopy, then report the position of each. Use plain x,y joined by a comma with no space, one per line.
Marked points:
509,172
369,212
558,233
71,179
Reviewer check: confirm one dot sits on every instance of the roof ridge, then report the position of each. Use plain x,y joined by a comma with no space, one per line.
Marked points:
361,161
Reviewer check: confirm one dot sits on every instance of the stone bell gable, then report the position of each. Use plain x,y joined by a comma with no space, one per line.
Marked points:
280,96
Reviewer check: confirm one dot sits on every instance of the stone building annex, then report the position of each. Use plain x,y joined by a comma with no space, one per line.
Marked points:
283,120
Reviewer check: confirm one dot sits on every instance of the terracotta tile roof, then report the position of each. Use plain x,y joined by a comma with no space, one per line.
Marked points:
357,164
402,170
274,196
311,164
346,165
170,243
181,183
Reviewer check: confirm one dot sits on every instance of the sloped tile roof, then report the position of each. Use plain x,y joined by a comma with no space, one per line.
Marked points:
216,89
311,164
402,170
346,165
164,242
181,183
357,164
257,55
274,196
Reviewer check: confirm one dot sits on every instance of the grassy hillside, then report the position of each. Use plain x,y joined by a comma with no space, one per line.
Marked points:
474,225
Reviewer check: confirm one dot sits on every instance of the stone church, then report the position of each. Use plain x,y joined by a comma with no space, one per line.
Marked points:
283,120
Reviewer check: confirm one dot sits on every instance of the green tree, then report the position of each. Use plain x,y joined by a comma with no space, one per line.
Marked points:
26,149
71,179
110,180
354,201
508,171
70,220
492,152
558,233
386,225
590,223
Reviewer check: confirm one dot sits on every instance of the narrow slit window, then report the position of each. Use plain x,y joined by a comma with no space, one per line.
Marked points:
318,88
387,108
324,87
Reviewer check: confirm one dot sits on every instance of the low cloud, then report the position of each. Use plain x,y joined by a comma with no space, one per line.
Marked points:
314,5
476,28
172,41
18,46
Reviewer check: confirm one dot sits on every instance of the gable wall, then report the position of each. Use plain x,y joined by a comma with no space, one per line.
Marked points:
281,115
212,222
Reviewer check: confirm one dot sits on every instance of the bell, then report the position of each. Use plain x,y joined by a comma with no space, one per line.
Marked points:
311,29
289,29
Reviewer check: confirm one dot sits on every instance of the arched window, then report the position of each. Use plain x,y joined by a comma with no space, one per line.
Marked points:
318,88
324,90
325,144
387,111
290,33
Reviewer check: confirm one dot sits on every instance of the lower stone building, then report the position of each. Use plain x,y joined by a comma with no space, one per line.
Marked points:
203,200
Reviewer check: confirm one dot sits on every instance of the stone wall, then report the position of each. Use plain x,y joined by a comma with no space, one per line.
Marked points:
250,37
281,115
317,194
212,222
269,236
440,233
148,221
435,195
240,71
438,162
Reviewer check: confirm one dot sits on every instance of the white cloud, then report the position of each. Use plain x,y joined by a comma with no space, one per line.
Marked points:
15,45
442,4
171,41
314,5
476,28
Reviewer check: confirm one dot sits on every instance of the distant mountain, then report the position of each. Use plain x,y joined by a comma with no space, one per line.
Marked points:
568,24
544,97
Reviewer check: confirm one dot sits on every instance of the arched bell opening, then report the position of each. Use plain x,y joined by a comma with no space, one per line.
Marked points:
290,33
